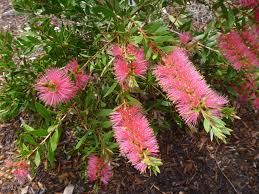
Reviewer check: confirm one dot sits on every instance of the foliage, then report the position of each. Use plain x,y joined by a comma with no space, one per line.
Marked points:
60,31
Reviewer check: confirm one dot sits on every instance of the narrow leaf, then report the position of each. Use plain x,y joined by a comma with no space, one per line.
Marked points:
37,159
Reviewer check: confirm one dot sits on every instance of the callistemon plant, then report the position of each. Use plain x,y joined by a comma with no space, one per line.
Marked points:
55,87
135,138
129,62
187,89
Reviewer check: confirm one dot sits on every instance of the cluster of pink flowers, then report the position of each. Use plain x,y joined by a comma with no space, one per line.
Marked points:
134,136
185,37
129,62
251,38
234,48
97,168
80,77
56,86
249,3
248,91
186,88
20,170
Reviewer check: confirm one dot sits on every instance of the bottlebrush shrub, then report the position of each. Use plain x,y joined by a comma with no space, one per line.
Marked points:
113,75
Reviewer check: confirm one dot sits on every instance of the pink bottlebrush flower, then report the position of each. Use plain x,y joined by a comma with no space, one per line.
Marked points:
55,87
81,78
248,91
185,37
134,136
21,170
117,51
20,174
121,70
234,49
98,169
186,88
245,90
106,173
249,3
140,65
131,49
251,39
134,63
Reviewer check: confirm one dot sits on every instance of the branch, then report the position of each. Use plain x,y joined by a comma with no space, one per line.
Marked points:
45,139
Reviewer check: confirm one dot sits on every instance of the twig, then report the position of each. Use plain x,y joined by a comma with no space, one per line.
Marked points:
207,47
157,188
94,56
232,185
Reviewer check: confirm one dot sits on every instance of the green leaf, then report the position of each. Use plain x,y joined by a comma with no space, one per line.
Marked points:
176,22
104,112
37,159
231,19
206,125
106,124
51,128
162,39
81,141
133,101
24,150
54,140
211,135
165,103
27,127
84,55
51,156
106,67
105,11
136,39
149,53
166,49
152,27
111,89
29,139
39,133
42,110
33,40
